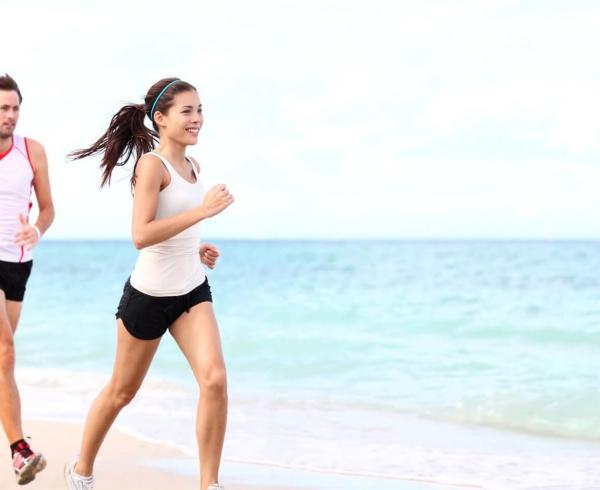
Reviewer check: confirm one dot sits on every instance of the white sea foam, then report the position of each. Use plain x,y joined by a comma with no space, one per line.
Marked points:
328,437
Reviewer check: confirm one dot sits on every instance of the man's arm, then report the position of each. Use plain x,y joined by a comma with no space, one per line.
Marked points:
41,185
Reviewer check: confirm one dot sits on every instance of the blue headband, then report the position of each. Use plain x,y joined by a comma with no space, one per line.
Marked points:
151,114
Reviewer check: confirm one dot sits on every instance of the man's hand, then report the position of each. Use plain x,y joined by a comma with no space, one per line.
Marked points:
27,236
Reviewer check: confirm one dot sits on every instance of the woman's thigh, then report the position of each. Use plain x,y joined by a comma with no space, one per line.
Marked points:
197,334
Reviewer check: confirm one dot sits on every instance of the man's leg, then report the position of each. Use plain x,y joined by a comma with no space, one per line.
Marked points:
26,463
10,403
13,309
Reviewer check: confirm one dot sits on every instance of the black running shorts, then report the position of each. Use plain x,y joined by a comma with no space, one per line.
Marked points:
148,317
13,279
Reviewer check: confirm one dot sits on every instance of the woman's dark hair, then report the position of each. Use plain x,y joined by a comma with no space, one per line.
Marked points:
7,83
127,134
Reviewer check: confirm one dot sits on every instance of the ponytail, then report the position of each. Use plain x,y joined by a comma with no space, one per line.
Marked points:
126,136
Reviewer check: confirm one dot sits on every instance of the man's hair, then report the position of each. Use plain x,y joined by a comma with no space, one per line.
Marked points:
7,83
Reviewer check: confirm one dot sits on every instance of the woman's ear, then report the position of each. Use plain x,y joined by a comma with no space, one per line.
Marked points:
159,118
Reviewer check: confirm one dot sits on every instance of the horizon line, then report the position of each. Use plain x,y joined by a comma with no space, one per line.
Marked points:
354,239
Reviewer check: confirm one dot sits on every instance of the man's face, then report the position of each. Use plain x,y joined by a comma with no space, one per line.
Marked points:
9,112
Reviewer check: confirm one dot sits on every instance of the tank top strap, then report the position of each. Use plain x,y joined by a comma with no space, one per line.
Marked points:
194,169
20,145
170,167
166,162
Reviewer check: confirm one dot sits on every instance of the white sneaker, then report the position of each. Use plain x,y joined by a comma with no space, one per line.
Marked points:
215,486
75,481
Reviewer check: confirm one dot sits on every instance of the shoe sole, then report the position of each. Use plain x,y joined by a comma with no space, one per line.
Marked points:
66,475
29,474
41,464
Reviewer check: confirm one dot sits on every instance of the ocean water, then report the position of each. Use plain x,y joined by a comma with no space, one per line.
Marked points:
460,362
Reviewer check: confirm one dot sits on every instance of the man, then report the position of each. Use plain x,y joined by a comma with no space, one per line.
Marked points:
23,168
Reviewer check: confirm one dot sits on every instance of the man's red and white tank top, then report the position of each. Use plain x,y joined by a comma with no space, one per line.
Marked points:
16,182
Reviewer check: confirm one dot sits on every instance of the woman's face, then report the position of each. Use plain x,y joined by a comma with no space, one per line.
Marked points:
183,120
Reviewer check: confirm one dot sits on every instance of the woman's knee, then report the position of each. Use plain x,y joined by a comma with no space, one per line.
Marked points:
121,396
215,381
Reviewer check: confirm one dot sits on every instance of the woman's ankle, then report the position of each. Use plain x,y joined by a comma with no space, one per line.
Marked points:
83,469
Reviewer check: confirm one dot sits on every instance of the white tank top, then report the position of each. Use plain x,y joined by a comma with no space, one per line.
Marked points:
172,267
16,182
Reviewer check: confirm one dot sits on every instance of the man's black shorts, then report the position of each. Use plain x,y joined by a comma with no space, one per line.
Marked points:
148,317
13,279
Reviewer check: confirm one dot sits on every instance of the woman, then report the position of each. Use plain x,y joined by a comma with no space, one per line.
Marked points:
168,288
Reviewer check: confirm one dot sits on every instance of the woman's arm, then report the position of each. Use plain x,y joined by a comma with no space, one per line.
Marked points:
146,230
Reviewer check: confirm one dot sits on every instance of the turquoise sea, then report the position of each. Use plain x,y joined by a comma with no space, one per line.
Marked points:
461,362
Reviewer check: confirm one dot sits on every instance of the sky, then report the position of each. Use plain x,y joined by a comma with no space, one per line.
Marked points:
331,119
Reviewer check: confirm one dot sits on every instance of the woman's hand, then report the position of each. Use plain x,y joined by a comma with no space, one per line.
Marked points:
216,200
209,255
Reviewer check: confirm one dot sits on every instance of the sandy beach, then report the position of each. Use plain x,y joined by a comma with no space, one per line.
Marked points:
129,463
124,462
